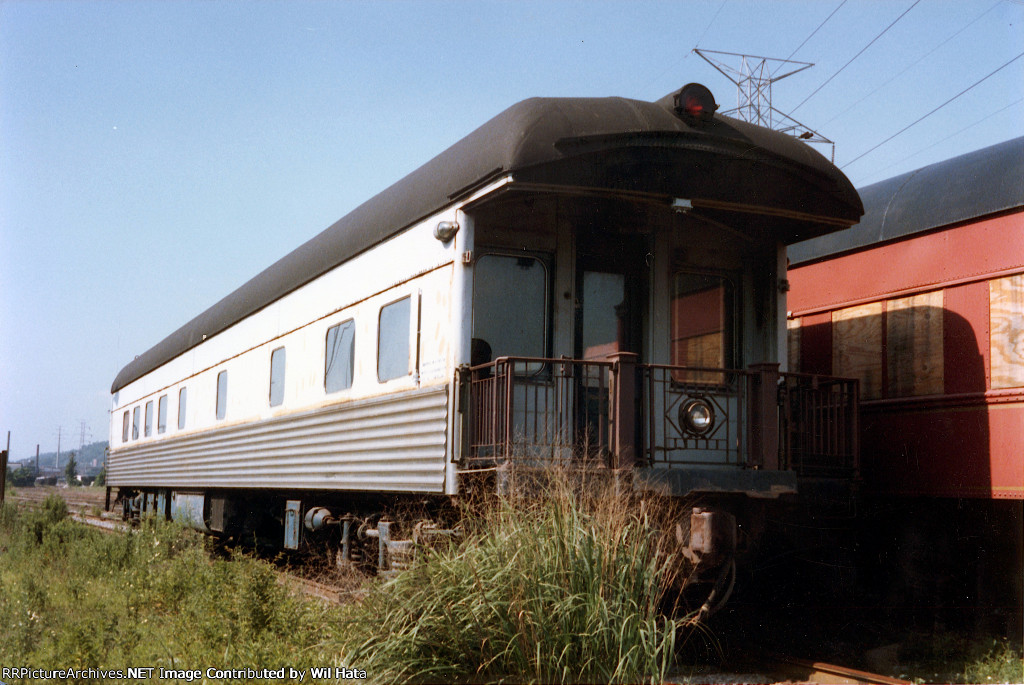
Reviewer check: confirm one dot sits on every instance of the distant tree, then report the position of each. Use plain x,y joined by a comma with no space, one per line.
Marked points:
101,477
21,476
71,470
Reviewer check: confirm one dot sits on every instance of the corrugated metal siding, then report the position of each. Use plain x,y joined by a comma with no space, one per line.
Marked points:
396,444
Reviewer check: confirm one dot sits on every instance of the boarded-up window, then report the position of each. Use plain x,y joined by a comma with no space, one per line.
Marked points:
793,330
1006,312
857,346
913,336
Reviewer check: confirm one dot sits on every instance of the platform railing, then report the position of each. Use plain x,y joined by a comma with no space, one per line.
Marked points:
622,413
820,420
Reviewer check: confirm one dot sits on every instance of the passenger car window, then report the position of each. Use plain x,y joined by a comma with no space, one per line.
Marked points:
124,428
149,418
510,305
182,396
277,362
161,415
339,360
136,419
222,394
701,325
393,340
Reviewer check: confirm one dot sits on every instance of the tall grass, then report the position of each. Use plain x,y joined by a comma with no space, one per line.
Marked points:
562,585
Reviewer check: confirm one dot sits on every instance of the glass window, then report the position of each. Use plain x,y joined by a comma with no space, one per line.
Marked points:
701,322
149,418
182,396
277,360
222,394
604,314
136,420
510,311
393,340
161,415
124,428
339,361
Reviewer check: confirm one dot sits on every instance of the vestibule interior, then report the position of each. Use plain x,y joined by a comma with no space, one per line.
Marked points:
588,275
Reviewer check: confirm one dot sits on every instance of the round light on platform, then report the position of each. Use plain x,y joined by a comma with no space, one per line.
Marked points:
697,416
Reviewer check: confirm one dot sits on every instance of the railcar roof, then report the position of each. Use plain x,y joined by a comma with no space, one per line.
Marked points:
960,189
540,140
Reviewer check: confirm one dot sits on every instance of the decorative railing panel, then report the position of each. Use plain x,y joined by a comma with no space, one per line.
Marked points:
669,440
623,413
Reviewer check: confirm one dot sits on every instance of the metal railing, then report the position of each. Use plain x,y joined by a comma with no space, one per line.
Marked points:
535,408
622,413
819,422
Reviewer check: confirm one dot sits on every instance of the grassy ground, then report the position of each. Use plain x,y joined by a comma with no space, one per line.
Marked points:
73,597
568,585
564,591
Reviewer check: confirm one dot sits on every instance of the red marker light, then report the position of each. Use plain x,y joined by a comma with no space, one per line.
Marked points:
695,104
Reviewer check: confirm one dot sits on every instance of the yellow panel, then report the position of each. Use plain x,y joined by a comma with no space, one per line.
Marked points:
1006,309
857,346
793,330
913,336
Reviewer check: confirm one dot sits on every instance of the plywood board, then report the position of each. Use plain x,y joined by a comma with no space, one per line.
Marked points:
857,346
914,351
1006,313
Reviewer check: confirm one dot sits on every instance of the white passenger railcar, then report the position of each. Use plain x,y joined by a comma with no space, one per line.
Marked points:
582,279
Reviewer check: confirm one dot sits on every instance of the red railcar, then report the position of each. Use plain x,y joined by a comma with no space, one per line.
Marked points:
923,301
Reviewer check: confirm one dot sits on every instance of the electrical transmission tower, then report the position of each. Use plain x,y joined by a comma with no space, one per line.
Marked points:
754,77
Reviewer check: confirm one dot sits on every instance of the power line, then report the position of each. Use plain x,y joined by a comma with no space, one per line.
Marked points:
976,83
976,19
708,28
813,32
943,140
697,44
857,55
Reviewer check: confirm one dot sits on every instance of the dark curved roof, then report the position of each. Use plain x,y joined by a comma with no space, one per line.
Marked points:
967,187
605,143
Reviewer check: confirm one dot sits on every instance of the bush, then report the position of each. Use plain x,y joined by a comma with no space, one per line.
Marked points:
562,586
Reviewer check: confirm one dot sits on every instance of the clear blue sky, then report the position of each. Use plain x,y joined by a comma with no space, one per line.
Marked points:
155,155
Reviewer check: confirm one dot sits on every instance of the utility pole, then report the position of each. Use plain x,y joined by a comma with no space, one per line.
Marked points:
754,77
37,460
56,464
3,468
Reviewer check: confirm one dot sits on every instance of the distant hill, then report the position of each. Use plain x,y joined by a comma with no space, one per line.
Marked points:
90,461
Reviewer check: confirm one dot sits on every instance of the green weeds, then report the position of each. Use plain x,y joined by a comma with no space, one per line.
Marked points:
74,597
562,586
